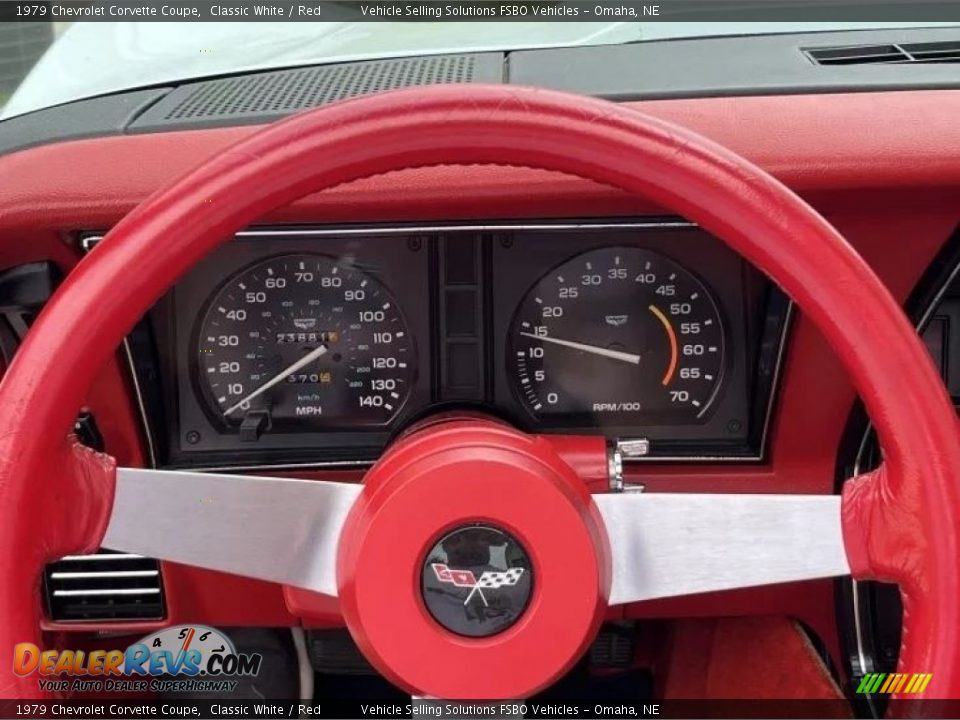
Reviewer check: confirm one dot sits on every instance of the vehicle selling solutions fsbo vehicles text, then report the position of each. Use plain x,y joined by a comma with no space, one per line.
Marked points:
504,10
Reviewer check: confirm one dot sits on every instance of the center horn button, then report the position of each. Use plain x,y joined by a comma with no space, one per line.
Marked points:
477,581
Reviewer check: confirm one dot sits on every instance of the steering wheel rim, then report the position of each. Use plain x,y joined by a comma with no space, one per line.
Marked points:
899,524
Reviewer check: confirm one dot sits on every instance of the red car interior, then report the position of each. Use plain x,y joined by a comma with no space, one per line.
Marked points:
841,205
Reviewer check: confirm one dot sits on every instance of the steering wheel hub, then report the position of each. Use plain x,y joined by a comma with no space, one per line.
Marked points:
472,549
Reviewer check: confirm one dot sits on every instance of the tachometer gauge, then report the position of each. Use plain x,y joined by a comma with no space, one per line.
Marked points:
301,339
617,336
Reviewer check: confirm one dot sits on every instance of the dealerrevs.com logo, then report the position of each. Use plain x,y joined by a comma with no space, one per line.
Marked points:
185,658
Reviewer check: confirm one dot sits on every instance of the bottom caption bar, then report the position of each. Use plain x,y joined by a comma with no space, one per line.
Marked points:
89,708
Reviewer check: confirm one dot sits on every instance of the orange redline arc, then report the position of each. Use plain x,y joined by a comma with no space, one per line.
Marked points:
672,336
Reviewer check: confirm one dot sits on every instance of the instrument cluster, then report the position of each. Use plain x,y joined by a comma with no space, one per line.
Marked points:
317,345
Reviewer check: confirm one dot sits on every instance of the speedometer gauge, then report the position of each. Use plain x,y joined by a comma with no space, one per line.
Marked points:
302,339
617,336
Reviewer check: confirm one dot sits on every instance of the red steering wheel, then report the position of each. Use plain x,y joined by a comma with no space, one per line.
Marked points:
369,544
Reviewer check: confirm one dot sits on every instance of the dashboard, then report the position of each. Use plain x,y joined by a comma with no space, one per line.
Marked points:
315,345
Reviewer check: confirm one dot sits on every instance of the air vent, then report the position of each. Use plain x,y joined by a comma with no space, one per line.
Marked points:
613,647
267,95
930,52
105,586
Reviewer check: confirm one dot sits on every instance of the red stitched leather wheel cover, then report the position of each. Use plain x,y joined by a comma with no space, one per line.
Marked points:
900,525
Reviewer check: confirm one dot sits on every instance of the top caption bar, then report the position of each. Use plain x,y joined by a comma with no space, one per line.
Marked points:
483,11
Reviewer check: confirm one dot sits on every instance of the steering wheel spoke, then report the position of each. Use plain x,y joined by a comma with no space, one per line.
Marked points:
662,545
276,529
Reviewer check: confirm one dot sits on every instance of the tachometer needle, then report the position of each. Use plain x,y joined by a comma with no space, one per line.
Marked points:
279,377
612,354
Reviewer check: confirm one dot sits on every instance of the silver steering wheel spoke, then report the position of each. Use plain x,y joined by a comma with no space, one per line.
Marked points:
288,531
276,529
664,545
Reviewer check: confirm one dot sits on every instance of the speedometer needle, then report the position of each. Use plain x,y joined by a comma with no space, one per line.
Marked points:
594,349
279,377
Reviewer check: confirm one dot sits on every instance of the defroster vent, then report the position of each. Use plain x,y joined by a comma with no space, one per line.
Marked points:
264,96
104,586
887,54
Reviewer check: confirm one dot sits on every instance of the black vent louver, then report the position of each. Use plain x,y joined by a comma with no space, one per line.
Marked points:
267,95
104,586
893,53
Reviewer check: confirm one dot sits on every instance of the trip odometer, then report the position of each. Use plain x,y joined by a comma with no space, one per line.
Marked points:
302,339
617,336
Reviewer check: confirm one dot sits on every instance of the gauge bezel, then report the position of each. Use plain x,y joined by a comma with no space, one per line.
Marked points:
735,426
588,419
191,438
407,259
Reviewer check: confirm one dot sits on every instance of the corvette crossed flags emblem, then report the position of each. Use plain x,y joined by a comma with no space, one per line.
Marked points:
489,580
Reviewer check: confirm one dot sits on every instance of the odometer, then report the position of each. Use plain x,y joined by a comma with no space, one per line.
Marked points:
304,340
617,336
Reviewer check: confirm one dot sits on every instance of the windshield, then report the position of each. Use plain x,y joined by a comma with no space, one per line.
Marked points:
71,61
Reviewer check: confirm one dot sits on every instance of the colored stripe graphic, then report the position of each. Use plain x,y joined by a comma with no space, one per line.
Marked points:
864,683
889,683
